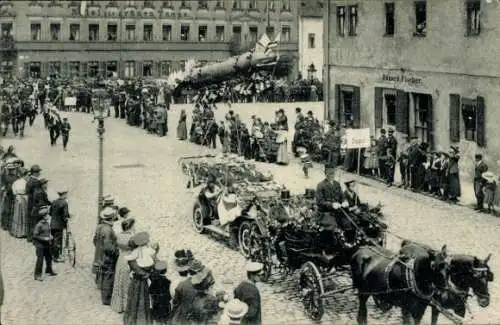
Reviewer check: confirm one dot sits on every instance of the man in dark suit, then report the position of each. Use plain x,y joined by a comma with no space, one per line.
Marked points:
40,199
329,198
248,292
32,184
60,215
381,152
480,168
185,295
42,240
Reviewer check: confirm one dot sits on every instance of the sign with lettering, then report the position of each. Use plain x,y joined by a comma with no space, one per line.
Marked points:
357,138
401,79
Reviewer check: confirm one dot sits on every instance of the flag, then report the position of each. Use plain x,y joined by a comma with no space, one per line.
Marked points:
262,44
273,44
83,8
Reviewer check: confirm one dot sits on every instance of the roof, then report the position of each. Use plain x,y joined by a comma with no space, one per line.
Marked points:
311,8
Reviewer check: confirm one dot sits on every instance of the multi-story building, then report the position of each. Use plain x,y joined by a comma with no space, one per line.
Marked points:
428,69
135,38
310,61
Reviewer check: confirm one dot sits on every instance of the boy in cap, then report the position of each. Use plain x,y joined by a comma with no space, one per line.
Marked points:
248,293
42,239
159,289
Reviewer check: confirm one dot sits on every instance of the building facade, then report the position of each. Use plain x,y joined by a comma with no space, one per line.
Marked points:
135,38
428,69
310,61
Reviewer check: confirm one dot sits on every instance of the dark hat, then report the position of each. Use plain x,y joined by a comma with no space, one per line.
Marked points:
62,191
310,193
309,112
43,210
43,181
298,109
281,110
382,131
23,171
211,178
161,266
331,123
349,182
444,154
454,149
128,223
181,264
478,156
285,195
140,239
391,130
123,211
35,169
195,266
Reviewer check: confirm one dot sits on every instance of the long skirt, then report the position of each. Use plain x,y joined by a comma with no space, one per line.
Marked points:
120,287
182,131
19,226
282,157
138,311
7,209
454,189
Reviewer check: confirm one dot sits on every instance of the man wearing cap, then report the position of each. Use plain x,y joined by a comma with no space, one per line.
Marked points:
104,240
479,168
42,239
331,146
248,293
40,198
329,198
65,128
381,152
59,212
234,311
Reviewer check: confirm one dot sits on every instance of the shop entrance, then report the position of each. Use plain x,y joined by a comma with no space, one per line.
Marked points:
422,118
35,70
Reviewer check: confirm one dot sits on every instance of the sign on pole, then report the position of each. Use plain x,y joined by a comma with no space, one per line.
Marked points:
357,138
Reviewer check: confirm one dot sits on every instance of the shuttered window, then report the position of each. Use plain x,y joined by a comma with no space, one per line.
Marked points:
402,112
454,118
356,109
379,111
480,122
337,103
430,123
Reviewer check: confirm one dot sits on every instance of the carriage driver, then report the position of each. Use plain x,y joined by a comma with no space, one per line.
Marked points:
209,194
330,199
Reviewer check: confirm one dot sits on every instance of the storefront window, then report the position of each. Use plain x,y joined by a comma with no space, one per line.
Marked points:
93,69
129,69
469,108
390,106
347,105
147,69
54,69
35,69
165,68
112,69
74,69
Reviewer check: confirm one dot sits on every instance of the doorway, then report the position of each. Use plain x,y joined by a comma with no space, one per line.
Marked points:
422,118
35,69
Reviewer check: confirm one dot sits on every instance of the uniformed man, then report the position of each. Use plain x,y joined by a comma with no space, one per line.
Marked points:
42,239
381,152
248,293
104,234
32,185
330,199
59,212
331,145
65,128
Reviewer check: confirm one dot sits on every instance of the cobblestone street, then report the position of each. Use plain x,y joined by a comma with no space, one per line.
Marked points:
141,171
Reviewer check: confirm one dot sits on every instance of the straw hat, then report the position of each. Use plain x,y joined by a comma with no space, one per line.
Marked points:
254,267
489,177
236,309
201,277
107,213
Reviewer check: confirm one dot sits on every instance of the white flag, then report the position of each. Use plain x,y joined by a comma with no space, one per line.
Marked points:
273,44
83,8
262,44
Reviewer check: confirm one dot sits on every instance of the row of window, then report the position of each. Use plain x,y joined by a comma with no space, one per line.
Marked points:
95,68
130,34
347,19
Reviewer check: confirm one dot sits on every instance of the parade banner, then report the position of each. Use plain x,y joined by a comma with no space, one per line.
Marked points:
357,138
70,101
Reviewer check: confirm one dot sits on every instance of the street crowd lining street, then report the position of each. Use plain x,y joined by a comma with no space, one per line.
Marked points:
142,172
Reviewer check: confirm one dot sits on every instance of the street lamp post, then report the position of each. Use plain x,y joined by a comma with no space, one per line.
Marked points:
100,93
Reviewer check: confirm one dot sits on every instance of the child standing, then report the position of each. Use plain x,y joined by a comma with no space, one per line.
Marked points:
489,190
159,289
390,164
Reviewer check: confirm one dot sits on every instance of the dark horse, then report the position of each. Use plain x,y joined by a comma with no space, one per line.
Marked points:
466,273
397,280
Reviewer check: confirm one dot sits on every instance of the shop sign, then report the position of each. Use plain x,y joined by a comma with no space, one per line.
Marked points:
357,138
401,79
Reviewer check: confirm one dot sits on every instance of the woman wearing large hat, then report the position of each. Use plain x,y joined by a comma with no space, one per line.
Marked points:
122,278
205,304
141,262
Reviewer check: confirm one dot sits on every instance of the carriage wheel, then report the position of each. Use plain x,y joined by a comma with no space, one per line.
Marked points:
263,254
248,233
311,290
71,249
198,219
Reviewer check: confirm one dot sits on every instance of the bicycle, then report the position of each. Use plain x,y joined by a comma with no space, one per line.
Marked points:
69,246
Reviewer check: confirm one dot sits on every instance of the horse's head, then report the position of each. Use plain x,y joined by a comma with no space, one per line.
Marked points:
439,267
469,272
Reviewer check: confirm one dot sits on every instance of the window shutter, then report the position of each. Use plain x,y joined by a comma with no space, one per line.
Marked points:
480,119
337,103
379,102
356,109
402,114
430,123
454,118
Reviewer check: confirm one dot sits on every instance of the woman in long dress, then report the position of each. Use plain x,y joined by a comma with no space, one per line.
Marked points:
141,262
182,127
122,272
19,226
281,140
454,188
